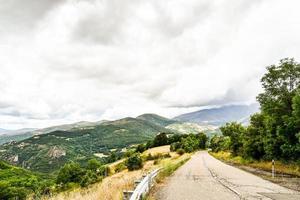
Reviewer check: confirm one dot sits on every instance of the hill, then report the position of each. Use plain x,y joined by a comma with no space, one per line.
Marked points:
156,119
22,134
219,116
9,138
48,152
15,181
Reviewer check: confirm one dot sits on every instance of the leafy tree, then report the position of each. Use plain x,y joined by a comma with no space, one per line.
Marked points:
141,148
71,172
253,138
235,132
94,165
160,140
202,140
190,143
219,143
113,157
134,162
296,110
175,138
88,178
280,84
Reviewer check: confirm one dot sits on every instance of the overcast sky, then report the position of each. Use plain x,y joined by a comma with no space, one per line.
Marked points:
63,61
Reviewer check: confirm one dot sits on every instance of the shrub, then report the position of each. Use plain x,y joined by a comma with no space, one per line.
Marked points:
174,146
120,167
93,165
180,151
134,162
71,172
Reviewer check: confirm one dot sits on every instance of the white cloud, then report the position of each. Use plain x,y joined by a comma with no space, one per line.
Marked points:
87,60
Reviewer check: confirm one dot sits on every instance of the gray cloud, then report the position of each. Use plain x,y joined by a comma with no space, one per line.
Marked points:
18,16
65,61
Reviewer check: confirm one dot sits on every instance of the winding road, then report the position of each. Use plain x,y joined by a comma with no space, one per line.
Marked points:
206,178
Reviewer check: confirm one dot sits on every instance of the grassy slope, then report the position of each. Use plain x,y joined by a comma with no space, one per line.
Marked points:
112,187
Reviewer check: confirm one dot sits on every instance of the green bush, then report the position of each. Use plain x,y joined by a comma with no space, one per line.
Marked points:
134,162
180,151
94,165
70,173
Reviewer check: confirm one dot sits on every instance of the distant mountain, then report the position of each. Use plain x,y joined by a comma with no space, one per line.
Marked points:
156,119
46,150
49,151
219,116
15,135
66,127
2,131
22,134
17,132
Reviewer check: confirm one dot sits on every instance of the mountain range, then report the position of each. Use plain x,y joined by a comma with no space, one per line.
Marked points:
46,150
49,151
221,115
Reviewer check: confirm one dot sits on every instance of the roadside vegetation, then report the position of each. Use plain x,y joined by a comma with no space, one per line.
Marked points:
281,167
18,183
274,132
112,187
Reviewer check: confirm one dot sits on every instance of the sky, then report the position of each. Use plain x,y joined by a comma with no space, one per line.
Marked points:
63,61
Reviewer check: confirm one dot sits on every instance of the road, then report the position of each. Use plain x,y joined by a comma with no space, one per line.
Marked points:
204,177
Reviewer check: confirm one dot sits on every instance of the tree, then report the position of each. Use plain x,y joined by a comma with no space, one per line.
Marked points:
219,143
93,165
190,143
235,132
134,162
253,140
202,140
296,110
280,84
160,140
71,172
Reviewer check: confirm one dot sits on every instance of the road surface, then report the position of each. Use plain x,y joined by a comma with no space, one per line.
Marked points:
204,177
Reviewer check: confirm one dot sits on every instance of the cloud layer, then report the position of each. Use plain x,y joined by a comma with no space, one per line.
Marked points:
68,60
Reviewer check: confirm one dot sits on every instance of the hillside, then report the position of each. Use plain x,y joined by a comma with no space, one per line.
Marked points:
219,116
15,180
156,119
187,128
22,134
9,138
48,152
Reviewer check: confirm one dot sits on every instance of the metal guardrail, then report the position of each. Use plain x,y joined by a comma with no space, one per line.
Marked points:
144,186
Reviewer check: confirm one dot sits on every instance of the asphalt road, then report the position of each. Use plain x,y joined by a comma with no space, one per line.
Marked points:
204,177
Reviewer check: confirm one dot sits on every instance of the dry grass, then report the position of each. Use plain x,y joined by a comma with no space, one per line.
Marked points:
111,188
281,168
155,150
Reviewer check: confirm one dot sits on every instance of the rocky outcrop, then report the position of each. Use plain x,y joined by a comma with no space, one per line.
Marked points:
56,152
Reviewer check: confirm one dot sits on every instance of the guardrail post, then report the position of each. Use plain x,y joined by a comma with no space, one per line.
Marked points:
273,168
